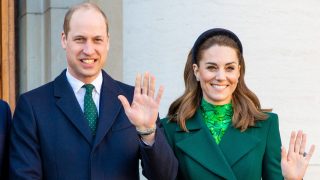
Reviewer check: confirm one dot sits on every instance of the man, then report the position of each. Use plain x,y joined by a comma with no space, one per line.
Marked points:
5,121
59,133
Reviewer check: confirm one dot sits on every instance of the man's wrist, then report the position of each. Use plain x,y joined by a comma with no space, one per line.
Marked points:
146,131
148,139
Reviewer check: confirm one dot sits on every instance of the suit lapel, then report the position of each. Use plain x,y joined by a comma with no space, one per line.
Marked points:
109,107
68,104
200,146
235,144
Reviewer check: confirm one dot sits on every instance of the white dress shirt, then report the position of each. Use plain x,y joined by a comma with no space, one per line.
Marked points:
80,91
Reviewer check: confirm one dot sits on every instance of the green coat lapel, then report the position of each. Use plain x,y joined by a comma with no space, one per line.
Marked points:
200,146
235,144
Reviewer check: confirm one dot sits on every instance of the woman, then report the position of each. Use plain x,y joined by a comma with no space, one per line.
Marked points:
5,121
217,128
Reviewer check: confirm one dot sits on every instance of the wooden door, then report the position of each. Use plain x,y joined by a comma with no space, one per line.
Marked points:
7,52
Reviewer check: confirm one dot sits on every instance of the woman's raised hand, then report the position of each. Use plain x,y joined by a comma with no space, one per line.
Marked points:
294,163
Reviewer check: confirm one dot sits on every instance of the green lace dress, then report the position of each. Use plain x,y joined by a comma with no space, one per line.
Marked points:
217,118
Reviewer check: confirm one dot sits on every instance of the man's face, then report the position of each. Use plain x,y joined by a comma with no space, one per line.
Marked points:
86,45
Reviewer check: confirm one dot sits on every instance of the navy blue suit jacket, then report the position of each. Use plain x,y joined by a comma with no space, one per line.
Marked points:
5,121
50,138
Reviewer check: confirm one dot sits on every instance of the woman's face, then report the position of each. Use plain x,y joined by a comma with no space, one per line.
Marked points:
218,73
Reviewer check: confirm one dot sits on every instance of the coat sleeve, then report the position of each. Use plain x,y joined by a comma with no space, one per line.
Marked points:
25,161
271,167
158,161
5,121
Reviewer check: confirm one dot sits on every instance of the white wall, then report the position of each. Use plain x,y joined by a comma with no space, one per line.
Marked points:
281,49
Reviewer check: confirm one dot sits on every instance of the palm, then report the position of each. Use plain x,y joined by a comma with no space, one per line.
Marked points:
143,111
295,167
294,164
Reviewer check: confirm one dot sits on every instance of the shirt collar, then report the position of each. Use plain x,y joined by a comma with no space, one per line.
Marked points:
77,84
97,83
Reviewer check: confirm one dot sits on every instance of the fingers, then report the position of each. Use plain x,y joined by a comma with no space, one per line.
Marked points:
310,153
145,84
303,144
124,102
298,142
152,90
152,86
292,142
159,95
137,86
142,86
298,145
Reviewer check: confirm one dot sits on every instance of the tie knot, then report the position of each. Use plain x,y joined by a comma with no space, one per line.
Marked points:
89,88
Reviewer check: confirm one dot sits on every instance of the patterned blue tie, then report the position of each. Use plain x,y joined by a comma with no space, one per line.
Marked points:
90,109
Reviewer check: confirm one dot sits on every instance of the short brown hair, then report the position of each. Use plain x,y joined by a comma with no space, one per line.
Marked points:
86,5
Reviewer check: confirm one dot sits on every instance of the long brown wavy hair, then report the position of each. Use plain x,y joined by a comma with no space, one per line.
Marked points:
246,105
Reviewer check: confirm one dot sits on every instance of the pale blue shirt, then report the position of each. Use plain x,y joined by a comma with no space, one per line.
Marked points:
80,91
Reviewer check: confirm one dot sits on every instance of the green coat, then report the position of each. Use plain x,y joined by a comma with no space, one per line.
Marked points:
249,155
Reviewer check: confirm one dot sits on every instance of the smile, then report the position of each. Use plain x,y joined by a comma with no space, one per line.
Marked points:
220,87
88,61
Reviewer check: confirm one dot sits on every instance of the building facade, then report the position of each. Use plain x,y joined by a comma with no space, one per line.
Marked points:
280,40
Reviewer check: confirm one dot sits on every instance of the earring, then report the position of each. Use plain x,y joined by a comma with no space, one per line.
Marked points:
197,79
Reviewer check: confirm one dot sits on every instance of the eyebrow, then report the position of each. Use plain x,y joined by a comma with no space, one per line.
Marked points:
81,36
229,63
78,36
98,36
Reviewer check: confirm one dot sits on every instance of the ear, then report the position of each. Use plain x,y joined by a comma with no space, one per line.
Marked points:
63,40
196,71
108,42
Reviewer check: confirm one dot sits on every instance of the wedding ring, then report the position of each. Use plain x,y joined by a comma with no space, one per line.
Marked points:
304,154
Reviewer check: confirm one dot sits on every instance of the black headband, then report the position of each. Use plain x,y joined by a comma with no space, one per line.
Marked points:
210,33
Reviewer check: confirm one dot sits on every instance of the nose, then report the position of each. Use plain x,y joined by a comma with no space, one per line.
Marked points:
88,48
221,75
